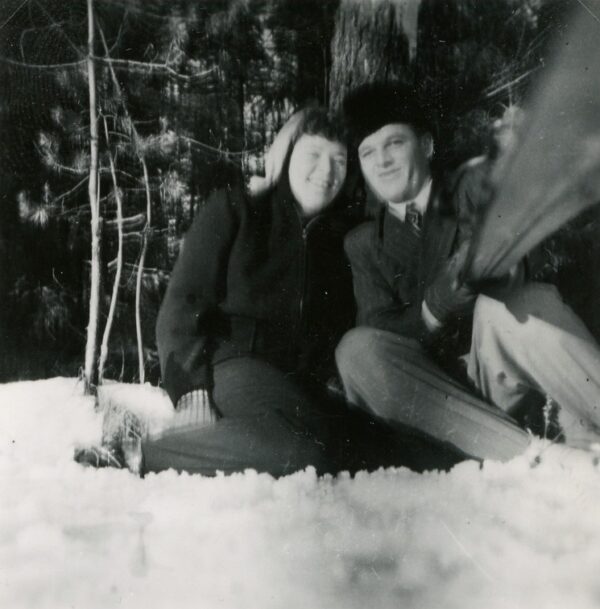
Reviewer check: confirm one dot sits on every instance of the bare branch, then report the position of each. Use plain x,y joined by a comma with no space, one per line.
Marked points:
130,221
136,138
143,66
117,281
213,149
120,135
512,83
69,192
7,21
34,30
121,29
61,30
135,9
148,270
105,170
42,66
138,285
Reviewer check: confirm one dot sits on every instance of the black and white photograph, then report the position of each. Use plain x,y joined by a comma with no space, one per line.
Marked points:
300,304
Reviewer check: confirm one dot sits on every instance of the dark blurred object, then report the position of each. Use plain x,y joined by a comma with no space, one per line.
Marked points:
555,173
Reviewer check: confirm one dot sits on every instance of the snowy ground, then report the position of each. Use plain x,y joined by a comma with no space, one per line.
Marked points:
505,536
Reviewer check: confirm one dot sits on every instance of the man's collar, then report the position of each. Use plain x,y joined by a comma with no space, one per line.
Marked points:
421,201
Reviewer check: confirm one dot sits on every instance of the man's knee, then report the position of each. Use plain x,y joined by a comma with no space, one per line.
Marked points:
357,347
488,314
517,316
528,326
534,298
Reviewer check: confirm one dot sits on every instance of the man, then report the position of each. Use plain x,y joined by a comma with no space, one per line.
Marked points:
414,315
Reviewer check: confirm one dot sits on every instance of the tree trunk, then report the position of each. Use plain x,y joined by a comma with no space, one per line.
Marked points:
369,44
94,304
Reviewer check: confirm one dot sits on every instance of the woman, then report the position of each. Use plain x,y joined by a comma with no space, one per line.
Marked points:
253,312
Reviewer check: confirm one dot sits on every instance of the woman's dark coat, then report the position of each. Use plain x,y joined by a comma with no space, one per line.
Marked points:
255,278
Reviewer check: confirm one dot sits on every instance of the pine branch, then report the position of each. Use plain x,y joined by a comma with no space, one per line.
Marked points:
51,161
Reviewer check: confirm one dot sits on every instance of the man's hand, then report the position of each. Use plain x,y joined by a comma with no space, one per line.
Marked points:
447,296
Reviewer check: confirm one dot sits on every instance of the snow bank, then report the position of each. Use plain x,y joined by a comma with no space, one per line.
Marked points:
504,536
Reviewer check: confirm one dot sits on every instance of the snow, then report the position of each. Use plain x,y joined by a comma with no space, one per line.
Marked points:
504,536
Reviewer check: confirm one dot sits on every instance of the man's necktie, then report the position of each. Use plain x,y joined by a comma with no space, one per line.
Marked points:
414,217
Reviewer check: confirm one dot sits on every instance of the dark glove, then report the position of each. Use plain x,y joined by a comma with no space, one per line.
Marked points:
447,296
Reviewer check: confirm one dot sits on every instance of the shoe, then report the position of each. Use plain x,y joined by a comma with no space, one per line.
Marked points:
126,455
99,456
335,389
133,456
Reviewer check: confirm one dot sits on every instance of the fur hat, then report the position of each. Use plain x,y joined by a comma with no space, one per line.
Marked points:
371,106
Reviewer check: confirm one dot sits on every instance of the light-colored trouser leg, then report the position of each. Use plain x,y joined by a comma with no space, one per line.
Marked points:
393,377
531,340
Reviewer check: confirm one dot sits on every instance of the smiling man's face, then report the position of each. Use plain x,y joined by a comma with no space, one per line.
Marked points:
395,161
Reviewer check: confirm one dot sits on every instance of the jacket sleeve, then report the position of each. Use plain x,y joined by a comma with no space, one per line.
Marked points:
446,297
189,315
378,306
470,197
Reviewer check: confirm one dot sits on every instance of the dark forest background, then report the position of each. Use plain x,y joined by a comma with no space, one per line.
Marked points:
188,95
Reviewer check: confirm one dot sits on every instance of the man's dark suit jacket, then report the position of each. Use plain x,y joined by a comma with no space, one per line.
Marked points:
391,271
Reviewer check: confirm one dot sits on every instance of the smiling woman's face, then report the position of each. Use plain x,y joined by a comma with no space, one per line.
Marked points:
317,172
395,161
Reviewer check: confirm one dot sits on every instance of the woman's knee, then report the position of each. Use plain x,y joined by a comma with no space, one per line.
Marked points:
248,385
